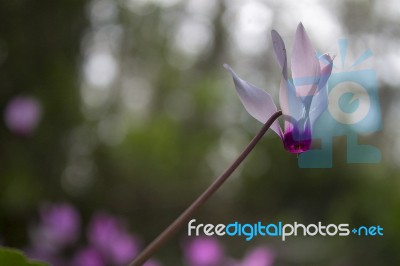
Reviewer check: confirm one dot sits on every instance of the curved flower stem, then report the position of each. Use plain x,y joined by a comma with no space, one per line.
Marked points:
182,219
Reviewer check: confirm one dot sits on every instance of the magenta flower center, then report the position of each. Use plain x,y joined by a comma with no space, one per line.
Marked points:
297,143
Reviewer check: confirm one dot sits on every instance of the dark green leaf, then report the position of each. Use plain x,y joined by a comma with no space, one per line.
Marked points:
14,257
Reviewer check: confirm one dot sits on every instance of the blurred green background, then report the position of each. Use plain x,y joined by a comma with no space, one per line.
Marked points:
138,117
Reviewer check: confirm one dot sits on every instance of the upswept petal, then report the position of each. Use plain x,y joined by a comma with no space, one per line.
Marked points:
318,105
319,101
280,52
305,64
291,105
257,102
326,64
287,93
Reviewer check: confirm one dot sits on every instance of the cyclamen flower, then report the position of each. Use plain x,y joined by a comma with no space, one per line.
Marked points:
88,257
60,225
302,98
203,251
259,256
110,237
22,115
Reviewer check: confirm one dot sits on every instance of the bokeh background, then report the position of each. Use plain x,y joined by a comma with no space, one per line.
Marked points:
117,114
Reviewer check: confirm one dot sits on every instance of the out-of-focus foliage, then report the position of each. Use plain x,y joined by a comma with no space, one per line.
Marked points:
136,116
14,257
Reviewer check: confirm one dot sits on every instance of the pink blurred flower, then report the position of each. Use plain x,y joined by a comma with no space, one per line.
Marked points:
43,255
259,256
123,249
102,230
22,115
203,251
88,257
108,235
59,227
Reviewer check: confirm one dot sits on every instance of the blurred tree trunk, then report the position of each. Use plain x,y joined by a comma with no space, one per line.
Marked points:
39,56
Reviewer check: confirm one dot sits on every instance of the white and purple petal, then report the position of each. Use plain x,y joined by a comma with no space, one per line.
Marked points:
319,101
280,52
319,104
305,65
292,106
326,65
257,102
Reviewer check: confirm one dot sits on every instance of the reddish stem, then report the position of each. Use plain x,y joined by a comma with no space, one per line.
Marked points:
185,216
